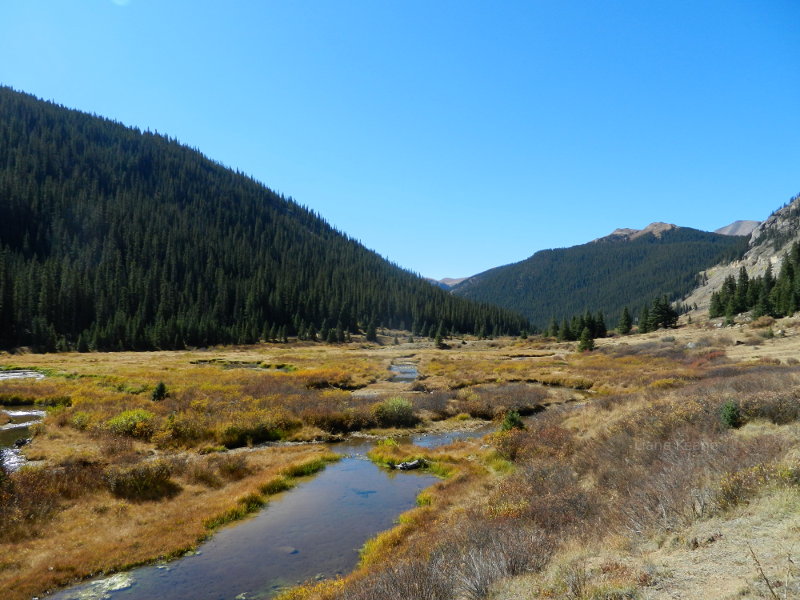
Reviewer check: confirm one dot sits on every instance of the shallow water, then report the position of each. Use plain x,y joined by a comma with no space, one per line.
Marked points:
404,373
20,374
312,531
18,427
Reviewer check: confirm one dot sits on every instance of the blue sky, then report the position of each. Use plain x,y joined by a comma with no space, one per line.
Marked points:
449,136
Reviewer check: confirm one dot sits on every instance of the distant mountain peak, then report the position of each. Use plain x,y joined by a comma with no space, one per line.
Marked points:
738,228
657,229
447,282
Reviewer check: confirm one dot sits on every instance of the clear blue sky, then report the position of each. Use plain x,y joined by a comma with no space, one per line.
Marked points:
449,136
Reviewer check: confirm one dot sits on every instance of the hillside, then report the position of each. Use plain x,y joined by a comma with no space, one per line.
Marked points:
626,268
768,242
115,238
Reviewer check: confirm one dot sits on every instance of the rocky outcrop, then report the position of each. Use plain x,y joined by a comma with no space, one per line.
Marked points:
768,242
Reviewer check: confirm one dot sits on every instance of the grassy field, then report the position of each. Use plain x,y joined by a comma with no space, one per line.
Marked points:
631,456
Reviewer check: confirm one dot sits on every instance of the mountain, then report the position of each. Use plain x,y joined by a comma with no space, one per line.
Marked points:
738,228
446,283
767,244
626,268
656,229
115,238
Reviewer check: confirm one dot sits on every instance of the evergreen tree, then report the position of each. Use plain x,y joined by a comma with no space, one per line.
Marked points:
586,342
159,392
625,322
565,333
128,240
552,329
644,320
372,332
600,329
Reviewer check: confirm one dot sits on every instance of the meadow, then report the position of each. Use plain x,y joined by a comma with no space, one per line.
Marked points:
626,453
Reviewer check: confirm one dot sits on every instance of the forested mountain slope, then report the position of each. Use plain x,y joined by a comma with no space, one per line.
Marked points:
114,238
626,268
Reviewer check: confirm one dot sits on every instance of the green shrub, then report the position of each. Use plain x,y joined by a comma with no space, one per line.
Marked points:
511,421
395,412
730,415
160,392
136,423
80,420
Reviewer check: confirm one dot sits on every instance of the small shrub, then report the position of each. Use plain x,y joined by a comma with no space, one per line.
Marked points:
511,421
232,466
730,415
761,322
237,435
160,392
144,481
203,473
136,423
80,420
395,412
736,488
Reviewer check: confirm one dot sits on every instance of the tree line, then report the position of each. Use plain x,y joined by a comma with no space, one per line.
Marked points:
114,238
763,295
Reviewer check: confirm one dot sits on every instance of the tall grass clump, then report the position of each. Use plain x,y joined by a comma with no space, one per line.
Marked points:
395,412
310,467
143,481
244,506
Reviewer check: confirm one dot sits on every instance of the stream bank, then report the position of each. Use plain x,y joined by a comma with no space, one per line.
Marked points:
312,531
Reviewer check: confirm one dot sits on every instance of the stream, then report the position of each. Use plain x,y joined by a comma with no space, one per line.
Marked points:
18,426
313,531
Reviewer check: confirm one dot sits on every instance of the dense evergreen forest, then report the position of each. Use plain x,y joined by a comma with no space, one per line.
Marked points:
765,295
605,275
113,238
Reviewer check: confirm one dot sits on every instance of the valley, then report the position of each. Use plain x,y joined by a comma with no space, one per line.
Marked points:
624,471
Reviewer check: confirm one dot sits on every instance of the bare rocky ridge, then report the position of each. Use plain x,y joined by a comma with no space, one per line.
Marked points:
768,242
657,229
738,228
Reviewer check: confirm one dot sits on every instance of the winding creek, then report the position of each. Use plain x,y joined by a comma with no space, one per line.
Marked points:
312,531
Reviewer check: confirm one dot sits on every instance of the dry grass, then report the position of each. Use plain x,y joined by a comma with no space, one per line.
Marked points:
641,458
99,532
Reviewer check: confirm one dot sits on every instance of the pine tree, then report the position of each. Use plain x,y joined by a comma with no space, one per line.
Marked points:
565,333
600,329
644,320
159,392
372,332
552,329
625,322
586,342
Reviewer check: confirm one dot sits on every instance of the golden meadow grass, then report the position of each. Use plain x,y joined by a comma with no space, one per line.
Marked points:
638,400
